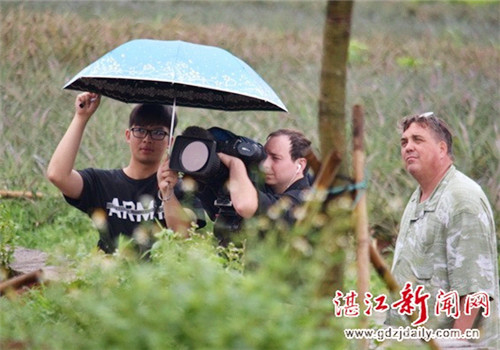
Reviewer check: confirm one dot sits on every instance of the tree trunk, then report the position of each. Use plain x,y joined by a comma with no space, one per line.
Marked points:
332,120
332,105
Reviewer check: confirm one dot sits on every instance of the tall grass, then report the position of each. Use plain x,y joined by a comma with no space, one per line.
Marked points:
406,58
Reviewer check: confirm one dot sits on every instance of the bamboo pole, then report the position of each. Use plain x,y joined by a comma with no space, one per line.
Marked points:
313,162
325,172
328,171
383,271
360,214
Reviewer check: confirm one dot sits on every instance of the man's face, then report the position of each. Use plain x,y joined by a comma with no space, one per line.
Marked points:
279,168
420,151
145,144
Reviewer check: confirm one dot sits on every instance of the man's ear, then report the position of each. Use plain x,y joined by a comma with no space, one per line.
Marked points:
171,140
443,148
303,163
128,133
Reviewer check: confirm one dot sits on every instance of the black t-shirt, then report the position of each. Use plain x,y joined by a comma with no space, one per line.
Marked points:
122,204
227,221
294,193
266,196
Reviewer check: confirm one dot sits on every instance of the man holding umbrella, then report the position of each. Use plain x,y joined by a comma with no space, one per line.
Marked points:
124,201
175,73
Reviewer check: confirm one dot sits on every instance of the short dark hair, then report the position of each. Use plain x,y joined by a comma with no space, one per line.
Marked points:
151,114
439,128
300,146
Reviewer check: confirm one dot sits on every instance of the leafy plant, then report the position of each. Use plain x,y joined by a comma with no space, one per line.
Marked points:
185,296
8,240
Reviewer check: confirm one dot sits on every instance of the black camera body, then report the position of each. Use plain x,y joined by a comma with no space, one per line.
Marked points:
249,151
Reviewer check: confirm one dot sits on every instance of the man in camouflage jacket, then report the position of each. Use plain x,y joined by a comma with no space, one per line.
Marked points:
447,240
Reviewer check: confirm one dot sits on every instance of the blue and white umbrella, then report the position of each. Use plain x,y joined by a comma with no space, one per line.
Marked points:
177,73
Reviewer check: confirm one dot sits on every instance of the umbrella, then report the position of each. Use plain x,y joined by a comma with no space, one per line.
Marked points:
177,73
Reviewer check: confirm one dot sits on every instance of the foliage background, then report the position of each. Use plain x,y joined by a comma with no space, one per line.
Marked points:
405,58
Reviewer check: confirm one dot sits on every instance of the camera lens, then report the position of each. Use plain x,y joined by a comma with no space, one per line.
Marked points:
195,156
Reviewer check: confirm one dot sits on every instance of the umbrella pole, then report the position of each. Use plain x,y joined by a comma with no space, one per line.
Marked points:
172,123
170,136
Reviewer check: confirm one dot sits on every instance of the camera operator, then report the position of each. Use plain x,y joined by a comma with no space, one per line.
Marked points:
224,168
285,175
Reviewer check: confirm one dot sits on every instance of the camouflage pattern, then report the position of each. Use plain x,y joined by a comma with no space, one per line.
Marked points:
448,242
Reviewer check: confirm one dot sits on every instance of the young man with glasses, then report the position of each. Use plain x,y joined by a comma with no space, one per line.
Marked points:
125,201
447,240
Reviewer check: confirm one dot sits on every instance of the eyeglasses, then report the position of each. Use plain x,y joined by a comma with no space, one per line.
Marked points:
156,134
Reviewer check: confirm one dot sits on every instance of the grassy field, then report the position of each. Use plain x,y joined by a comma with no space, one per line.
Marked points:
405,58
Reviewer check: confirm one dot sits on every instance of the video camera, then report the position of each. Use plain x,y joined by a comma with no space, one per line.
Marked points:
195,154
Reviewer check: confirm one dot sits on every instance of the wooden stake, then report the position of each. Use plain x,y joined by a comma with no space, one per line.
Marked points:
27,279
328,171
313,162
383,271
20,194
360,214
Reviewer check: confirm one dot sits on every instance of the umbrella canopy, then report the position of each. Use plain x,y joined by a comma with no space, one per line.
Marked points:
177,73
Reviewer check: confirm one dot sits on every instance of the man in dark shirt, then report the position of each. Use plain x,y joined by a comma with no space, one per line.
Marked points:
284,169
124,201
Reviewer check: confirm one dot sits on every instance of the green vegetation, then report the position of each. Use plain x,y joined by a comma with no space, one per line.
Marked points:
185,298
406,58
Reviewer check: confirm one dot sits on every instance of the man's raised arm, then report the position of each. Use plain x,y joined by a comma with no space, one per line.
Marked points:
60,170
